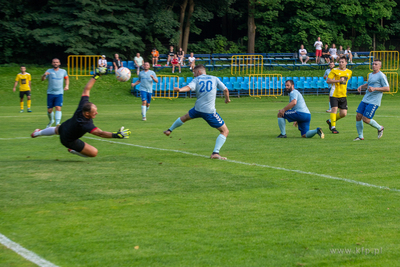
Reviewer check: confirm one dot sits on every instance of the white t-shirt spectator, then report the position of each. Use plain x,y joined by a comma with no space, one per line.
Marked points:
318,45
191,59
138,61
302,51
347,51
333,51
102,62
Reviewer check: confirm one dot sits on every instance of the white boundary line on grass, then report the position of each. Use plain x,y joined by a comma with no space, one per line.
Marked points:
254,164
27,254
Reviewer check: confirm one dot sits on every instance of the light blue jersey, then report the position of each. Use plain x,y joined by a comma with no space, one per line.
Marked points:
146,82
56,81
301,104
375,80
327,73
206,91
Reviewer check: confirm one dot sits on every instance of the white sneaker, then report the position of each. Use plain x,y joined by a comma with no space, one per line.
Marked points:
144,118
380,132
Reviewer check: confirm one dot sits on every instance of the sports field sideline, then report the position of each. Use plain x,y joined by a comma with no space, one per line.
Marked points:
153,200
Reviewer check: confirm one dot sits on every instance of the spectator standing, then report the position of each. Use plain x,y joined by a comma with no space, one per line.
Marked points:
117,62
333,52
303,55
331,67
24,80
348,55
181,56
325,54
171,54
155,56
192,61
175,63
318,50
55,90
138,63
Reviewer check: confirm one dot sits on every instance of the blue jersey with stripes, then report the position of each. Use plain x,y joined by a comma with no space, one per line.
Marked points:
146,82
56,81
375,80
301,104
206,87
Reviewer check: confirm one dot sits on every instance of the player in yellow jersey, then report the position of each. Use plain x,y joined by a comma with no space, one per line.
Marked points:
338,78
24,80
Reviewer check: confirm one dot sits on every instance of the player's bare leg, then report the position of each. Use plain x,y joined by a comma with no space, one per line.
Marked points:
220,142
87,151
179,122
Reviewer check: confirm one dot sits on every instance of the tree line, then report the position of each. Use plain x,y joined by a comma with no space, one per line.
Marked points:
34,31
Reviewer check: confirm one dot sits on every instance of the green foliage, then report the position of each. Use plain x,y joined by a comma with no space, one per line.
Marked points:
219,44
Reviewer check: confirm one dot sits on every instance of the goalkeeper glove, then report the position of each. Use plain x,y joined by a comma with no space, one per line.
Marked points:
122,133
96,74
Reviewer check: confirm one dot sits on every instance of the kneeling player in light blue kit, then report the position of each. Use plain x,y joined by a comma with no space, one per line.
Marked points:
296,111
376,85
205,87
146,78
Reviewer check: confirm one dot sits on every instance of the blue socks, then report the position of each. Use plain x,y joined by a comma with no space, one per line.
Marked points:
360,128
374,124
282,125
311,133
176,124
219,143
58,117
144,111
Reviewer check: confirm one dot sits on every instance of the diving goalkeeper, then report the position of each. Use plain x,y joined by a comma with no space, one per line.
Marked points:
82,122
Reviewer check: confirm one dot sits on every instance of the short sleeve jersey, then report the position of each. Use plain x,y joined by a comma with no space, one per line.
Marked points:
302,51
327,72
117,62
146,82
301,104
191,59
340,90
347,52
155,53
340,52
325,51
375,80
103,62
206,87
78,125
171,53
332,51
23,80
318,45
56,81
139,61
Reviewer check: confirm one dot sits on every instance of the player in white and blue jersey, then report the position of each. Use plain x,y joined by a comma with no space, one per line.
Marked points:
205,87
146,78
296,111
326,74
376,85
55,90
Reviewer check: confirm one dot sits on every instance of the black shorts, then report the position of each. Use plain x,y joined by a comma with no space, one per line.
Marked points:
22,93
325,56
76,145
340,102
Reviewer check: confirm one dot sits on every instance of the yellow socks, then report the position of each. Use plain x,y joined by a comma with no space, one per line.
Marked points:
333,119
28,103
338,116
22,105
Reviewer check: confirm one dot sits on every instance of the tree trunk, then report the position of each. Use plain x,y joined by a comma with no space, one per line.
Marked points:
187,27
182,19
251,28
373,42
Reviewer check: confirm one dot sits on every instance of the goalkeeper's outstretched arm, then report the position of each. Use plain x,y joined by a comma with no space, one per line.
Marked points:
89,85
121,133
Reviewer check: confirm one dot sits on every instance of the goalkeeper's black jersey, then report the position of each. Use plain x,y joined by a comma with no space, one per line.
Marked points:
78,125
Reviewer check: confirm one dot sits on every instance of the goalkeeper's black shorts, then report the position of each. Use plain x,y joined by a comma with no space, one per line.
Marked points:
76,145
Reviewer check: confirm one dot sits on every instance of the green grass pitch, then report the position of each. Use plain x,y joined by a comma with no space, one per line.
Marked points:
153,200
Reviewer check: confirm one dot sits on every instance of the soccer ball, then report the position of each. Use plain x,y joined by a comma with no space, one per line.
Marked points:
123,74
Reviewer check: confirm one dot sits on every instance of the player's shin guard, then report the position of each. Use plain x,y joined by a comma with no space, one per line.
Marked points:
219,143
28,103
143,111
282,125
21,105
176,124
47,131
374,124
58,117
360,128
311,133
333,119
